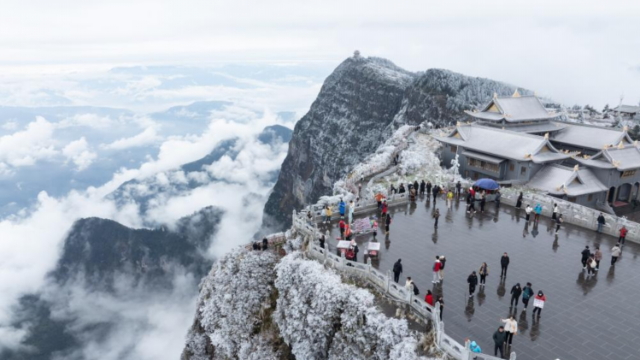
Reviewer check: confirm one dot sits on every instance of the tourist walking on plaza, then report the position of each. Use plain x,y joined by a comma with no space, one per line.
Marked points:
615,253
443,261
458,189
450,199
416,186
329,213
436,271
527,293
412,194
497,198
499,338
585,256
436,190
559,221
441,301
519,201
528,211
428,190
324,215
387,222
598,257
538,211
385,208
483,201
343,227
379,197
516,290
422,186
436,216
554,215
473,281
504,263
471,202
510,328
429,298
623,235
484,271
397,270
600,222
591,265
342,207
538,303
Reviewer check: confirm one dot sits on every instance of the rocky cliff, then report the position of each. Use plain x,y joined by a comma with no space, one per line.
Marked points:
360,104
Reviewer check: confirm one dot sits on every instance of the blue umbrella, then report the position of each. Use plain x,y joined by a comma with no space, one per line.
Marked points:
487,184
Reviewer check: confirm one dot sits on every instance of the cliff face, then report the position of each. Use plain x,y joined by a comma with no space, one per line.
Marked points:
346,122
360,105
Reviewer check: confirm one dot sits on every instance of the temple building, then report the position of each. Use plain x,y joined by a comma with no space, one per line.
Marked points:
515,140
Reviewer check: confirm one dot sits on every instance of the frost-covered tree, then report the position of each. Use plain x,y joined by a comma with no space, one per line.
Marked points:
233,299
320,317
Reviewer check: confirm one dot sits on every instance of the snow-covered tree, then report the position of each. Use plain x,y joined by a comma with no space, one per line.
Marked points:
320,317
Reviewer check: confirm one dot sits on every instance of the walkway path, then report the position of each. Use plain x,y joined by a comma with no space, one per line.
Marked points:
595,318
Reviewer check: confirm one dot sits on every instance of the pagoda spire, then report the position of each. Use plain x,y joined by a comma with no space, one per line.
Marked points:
516,94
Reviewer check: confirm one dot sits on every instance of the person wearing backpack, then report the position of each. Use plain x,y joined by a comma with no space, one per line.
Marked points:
436,216
527,292
472,280
598,257
416,292
436,271
397,270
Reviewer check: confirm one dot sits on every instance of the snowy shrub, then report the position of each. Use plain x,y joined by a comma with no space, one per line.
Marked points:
320,317
231,303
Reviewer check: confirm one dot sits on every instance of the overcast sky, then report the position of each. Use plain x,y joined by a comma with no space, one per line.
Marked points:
574,51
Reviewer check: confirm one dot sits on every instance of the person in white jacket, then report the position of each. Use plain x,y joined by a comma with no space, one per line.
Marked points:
528,211
511,328
615,253
352,208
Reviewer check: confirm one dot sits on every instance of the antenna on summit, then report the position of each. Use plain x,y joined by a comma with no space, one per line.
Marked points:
356,54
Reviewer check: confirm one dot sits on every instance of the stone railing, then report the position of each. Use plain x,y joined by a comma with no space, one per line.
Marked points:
363,206
384,283
577,214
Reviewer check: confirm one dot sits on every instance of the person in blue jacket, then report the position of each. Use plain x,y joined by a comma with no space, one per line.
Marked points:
538,211
475,348
342,207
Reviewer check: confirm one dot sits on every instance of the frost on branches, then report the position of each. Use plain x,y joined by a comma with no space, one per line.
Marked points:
322,318
231,304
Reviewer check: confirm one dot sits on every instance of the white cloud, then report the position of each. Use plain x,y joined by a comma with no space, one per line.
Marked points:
147,137
10,125
24,148
78,152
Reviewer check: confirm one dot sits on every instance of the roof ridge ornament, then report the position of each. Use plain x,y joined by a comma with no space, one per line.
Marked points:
616,163
516,94
625,128
576,168
621,145
495,95
546,136
606,147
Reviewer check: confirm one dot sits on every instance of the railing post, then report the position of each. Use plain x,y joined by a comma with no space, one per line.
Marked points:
388,280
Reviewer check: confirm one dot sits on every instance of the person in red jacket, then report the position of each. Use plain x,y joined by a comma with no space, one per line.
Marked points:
429,298
385,207
343,225
538,303
436,271
623,234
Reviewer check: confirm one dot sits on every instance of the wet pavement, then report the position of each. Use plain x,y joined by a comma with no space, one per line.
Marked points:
583,318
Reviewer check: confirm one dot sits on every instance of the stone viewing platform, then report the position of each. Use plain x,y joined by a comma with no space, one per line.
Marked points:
585,317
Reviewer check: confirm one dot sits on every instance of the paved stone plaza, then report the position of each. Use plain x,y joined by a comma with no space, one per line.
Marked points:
596,318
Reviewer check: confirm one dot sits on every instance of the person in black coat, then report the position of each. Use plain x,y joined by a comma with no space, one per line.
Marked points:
519,202
416,186
516,291
322,241
387,222
422,187
472,280
436,191
458,189
402,190
265,244
499,338
504,263
585,256
256,246
397,270
428,189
